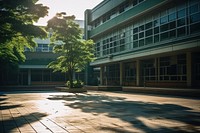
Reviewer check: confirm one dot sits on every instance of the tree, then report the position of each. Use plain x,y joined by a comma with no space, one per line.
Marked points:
17,18
17,31
75,52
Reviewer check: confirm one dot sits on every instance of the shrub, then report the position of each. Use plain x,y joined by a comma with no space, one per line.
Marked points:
76,84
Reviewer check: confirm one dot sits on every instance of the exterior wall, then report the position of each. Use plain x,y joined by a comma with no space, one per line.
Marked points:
34,70
155,43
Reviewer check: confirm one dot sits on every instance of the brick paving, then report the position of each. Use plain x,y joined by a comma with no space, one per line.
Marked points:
97,112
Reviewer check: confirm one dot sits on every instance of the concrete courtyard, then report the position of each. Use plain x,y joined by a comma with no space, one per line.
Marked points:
97,112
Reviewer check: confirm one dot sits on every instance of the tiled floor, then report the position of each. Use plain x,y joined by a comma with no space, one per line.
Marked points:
96,112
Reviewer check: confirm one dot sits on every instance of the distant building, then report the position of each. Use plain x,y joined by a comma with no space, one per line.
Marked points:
34,70
146,42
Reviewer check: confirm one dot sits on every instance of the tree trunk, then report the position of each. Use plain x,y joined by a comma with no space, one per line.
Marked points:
70,78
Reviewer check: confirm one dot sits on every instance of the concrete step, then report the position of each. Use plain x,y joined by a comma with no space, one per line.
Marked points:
189,92
28,88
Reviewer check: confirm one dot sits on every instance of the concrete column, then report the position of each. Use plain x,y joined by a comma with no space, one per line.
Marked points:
138,73
121,73
189,69
156,66
29,76
158,69
101,74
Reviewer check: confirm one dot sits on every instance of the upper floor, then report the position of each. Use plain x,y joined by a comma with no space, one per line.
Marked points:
148,24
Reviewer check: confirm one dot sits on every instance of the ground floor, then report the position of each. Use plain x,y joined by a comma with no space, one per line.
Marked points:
44,76
172,69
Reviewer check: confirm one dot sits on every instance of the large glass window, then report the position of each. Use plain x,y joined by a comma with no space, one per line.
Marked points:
195,18
164,68
112,74
181,13
149,70
195,28
164,20
164,27
181,22
169,23
194,8
181,31
149,32
164,36
129,73
172,16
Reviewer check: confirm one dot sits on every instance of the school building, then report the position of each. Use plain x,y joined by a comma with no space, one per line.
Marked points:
146,42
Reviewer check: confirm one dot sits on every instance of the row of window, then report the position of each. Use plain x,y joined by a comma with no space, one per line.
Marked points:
170,68
117,11
151,32
41,48
181,11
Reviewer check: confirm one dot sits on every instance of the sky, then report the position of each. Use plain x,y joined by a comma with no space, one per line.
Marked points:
71,7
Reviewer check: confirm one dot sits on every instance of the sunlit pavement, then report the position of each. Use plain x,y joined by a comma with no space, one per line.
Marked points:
97,112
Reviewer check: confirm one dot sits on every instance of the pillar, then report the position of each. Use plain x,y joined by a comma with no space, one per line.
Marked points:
158,69
189,69
29,76
121,73
138,73
101,74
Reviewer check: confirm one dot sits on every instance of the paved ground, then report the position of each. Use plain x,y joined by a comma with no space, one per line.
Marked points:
97,112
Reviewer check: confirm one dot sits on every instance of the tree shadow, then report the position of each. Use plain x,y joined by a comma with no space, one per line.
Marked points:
12,124
133,112
5,107
12,121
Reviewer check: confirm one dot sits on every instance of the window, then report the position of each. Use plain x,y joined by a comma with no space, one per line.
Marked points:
112,74
135,30
135,37
172,25
148,25
135,44
164,36
181,13
156,30
149,40
172,16
172,34
148,32
164,27
156,38
164,68
181,22
156,23
181,31
149,70
141,35
42,48
194,8
141,28
195,18
194,28
141,42
164,20
130,72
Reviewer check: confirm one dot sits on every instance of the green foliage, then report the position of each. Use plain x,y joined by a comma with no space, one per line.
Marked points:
75,84
17,18
17,31
74,51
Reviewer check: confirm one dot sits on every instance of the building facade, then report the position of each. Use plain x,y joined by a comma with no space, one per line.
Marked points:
146,42
34,70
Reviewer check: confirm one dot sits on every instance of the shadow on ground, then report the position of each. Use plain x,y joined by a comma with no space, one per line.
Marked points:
11,122
134,112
